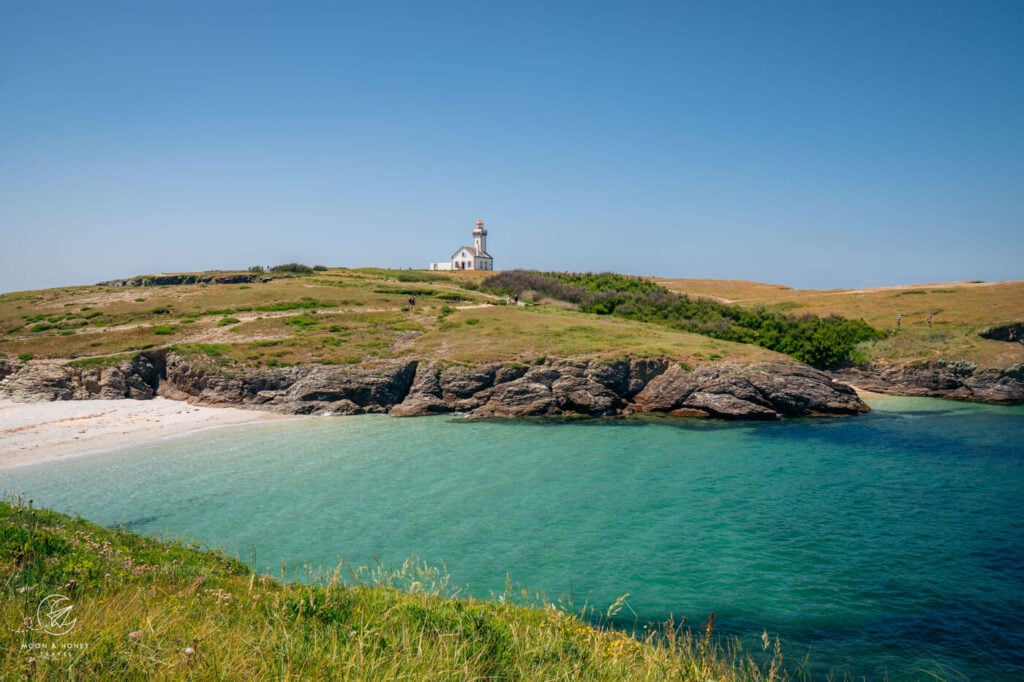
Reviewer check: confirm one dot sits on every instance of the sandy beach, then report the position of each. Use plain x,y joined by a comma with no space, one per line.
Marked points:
36,432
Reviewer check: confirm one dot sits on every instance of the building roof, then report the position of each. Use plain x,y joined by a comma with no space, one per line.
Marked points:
473,251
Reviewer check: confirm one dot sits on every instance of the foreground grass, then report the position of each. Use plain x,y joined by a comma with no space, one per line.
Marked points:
146,609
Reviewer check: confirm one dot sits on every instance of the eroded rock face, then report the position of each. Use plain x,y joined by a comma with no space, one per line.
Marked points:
568,387
45,380
311,389
763,391
951,380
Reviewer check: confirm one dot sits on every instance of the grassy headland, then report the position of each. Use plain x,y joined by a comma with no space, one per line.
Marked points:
331,317
145,609
959,310
336,316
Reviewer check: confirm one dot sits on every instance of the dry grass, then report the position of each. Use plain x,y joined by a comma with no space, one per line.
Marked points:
958,309
347,316
502,333
336,316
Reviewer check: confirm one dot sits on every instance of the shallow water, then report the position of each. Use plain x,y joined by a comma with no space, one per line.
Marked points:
887,544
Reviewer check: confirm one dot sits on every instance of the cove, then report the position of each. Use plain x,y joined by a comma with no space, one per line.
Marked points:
887,544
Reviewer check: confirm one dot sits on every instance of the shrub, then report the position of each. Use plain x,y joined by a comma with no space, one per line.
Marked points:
297,268
319,268
821,342
225,321
25,357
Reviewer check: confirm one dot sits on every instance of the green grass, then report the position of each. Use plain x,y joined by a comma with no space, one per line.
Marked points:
348,316
156,610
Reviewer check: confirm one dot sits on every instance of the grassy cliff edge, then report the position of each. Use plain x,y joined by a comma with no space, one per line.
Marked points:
148,609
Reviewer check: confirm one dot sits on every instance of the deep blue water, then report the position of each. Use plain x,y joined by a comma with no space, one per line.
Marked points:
890,544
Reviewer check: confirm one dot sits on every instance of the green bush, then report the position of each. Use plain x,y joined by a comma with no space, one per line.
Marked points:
297,268
821,342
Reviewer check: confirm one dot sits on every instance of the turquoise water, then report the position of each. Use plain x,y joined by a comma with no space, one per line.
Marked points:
888,544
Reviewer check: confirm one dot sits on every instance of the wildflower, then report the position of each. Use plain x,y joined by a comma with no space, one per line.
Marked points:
351,634
189,651
135,634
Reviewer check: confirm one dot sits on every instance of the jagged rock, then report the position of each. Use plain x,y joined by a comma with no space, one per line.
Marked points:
459,382
39,381
583,387
667,391
348,390
425,395
748,392
519,398
54,380
507,373
951,380
626,378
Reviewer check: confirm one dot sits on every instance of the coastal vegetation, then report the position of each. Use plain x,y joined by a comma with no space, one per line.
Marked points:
822,342
143,608
336,315
960,311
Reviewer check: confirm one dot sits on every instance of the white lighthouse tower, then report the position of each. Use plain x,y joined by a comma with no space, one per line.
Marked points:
480,238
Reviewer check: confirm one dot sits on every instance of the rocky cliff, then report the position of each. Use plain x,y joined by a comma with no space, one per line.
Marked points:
409,388
951,380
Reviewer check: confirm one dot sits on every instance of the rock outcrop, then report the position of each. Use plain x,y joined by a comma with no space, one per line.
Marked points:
136,378
409,388
1012,332
951,380
592,388
747,392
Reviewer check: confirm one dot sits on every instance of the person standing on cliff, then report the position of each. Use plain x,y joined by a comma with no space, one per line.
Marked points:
899,319
929,320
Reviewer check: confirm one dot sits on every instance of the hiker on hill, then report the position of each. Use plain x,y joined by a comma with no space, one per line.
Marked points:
899,320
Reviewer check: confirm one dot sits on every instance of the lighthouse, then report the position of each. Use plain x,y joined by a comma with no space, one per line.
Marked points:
470,257
480,237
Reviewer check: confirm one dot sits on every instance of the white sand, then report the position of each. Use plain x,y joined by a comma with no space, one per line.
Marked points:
36,432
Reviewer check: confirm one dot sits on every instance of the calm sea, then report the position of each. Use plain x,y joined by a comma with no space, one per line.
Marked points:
885,545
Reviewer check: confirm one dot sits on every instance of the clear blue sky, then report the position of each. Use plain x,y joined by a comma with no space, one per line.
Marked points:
816,144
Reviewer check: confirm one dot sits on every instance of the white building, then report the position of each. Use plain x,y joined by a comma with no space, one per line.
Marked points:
470,257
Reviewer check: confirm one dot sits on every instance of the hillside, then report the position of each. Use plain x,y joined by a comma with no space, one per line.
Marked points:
270,340
144,609
329,317
959,310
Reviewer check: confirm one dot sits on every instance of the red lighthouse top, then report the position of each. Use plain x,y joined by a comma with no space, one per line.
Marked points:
479,226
